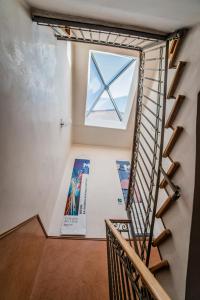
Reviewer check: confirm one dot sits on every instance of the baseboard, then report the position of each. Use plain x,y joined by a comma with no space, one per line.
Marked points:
42,226
4,234
64,237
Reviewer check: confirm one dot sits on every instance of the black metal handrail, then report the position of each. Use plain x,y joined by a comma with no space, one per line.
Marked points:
147,149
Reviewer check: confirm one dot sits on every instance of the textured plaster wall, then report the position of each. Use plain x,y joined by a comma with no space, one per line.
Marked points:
35,92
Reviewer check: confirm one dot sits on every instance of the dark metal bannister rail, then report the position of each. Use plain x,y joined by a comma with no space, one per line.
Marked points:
129,278
84,30
147,148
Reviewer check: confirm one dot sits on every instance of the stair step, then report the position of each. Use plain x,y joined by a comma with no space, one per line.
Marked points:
67,31
163,264
170,173
175,109
174,50
172,46
165,206
176,79
176,133
161,238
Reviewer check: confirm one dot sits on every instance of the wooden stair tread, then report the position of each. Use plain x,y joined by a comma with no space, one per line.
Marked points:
172,46
67,31
165,206
154,256
175,81
176,133
174,111
173,52
170,173
161,237
163,264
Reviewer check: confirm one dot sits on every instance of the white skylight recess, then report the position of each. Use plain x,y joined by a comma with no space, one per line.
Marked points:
110,89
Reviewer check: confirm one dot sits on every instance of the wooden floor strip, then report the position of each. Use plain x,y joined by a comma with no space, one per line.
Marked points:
176,133
160,266
165,234
173,53
165,206
170,173
176,79
175,109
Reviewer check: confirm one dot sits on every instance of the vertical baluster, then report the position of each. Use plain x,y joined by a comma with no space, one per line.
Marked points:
115,274
118,275
115,292
109,259
123,281
127,285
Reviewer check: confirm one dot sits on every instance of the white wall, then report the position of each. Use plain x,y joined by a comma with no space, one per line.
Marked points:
178,218
35,92
90,134
104,188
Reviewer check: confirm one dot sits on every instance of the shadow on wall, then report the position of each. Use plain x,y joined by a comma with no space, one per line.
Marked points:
193,272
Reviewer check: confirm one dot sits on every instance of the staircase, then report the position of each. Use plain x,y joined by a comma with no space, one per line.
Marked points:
37,266
129,278
152,189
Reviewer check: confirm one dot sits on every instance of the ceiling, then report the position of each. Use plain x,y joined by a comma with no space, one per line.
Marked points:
163,15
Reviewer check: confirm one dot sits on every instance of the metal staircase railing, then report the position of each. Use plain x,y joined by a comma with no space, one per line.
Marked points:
129,255
147,148
129,278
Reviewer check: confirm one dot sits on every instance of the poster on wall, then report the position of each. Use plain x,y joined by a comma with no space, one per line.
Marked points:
74,222
123,168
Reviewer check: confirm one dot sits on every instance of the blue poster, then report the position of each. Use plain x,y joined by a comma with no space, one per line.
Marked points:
75,209
123,168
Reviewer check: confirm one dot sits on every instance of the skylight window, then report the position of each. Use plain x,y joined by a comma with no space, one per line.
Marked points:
110,89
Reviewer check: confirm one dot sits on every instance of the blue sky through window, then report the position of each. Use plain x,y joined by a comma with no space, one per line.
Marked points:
95,86
109,84
110,64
